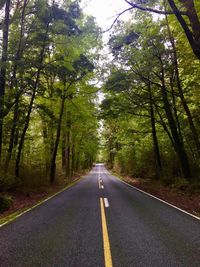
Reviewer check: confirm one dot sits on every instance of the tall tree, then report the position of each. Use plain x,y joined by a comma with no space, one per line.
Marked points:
3,67
184,11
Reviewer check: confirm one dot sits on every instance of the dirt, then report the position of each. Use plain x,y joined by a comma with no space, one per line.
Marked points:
185,200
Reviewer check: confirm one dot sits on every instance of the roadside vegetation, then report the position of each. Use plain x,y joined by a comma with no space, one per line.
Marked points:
151,106
47,116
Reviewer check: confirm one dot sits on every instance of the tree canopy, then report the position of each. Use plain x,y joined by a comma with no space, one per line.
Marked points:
47,114
149,94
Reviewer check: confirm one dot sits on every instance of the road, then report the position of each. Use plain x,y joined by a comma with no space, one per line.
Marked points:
101,221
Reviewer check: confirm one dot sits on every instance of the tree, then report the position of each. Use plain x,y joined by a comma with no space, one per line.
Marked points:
81,67
3,67
190,13
147,61
52,50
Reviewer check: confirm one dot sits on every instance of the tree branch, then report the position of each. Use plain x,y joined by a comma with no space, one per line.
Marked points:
160,12
118,15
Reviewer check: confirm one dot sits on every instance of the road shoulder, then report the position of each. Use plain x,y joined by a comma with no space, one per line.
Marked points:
23,203
178,198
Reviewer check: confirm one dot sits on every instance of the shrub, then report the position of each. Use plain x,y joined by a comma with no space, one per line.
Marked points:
181,184
5,203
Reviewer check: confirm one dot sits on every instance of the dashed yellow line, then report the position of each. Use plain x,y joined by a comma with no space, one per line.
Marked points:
106,242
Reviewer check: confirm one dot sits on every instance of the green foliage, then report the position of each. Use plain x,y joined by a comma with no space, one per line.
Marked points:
52,56
5,203
153,74
181,184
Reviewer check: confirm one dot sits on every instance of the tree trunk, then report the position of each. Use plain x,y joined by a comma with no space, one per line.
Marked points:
27,119
73,160
192,35
175,111
68,147
19,52
64,150
54,155
12,133
178,144
26,124
78,161
158,163
4,67
165,128
181,94
194,20
14,83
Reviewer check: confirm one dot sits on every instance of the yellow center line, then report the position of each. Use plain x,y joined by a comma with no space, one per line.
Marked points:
106,242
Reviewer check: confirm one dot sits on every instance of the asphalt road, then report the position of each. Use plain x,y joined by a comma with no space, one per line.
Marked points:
69,229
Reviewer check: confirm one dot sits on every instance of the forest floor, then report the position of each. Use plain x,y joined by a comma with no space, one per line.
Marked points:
24,199
184,199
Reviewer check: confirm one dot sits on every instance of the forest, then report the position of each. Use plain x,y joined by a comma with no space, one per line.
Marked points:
48,122
52,71
151,106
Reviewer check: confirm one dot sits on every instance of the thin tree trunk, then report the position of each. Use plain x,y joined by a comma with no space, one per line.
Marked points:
54,155
78,161
176,111
178,144
47,146
27,119
193,32
181,94
4,67
26,124
19,52
158,163
12,134
64,150
73,160
164,126
68,147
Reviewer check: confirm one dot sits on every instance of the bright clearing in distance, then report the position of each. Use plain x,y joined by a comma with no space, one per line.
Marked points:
105,11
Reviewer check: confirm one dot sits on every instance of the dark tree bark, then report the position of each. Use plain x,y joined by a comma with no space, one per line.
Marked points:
174,107
78,161
73,160
54,155
64,136
192,35
111,154
12,134
13,83
68,145
178,144
20,48
165,128
35,86
158,163
181,94
3,67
